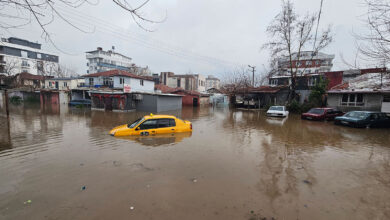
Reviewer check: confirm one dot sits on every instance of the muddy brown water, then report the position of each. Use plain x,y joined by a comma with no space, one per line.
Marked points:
62,164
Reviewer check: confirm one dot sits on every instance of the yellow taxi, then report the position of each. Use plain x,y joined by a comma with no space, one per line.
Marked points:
152,125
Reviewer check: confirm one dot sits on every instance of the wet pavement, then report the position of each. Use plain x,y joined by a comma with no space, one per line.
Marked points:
62,164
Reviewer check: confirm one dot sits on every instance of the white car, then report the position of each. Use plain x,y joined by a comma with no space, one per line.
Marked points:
277,111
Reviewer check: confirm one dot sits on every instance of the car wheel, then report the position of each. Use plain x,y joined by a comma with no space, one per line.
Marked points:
146,133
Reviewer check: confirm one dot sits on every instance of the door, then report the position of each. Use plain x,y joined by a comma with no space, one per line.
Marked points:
108,103
148,127
166,126
195,101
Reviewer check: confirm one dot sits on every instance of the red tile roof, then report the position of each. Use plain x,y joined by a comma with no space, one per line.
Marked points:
164,88
118,73
29,76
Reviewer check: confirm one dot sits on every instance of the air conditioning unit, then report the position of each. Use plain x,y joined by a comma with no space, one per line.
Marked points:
137,97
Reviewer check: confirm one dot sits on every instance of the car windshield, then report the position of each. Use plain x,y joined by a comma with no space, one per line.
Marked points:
316,111
357,115
132,125
276,108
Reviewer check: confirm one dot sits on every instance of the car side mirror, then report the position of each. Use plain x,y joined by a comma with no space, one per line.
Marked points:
137,128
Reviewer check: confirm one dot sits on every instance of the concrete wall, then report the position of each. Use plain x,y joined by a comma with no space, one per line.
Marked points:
204,100
304,94
64,97
70,83
372,102
135,84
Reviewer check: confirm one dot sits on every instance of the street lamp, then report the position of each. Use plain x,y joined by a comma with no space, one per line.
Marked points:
253,74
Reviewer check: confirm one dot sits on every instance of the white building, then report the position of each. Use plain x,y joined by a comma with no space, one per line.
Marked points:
309,62
67,83
201,83
116,79
18,55
212,82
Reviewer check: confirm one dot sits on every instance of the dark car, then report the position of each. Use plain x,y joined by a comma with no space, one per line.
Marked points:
80,102
321,114
363,119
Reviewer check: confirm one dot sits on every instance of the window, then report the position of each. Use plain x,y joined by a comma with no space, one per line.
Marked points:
299,64
91,81
136,122
317,62
141,82
308,63
274,82
23,53
65,84
25,63
87,64
178,83
312,81
166,122
149,124
121,80
352,100
39,56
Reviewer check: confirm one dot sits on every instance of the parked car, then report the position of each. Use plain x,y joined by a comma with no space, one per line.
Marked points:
277,111
82,102
321,114
363,119
152,125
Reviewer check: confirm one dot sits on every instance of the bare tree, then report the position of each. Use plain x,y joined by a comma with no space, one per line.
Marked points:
18,13
11,67
237,80
375,45
291,34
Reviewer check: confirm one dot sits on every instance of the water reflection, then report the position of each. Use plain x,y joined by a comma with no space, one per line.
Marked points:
158,140
241,161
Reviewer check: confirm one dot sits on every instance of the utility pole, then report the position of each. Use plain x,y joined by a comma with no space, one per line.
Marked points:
253,74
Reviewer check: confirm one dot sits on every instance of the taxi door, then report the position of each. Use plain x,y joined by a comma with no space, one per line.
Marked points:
148,127
166,126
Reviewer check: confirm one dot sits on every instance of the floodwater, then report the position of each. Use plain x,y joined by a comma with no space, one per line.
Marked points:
62,164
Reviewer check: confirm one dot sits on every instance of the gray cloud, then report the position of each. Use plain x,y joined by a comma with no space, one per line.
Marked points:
201,36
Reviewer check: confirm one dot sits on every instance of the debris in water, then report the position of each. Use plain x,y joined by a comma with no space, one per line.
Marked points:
305,206
81,164
131,207
28,201
83,188
307,182
194,180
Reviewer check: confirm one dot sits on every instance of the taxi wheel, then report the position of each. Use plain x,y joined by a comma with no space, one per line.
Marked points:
146,133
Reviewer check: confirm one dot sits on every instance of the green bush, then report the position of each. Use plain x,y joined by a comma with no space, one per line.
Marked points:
294,107
15,99
32,99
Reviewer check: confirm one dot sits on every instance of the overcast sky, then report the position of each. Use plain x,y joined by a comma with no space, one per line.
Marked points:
198,36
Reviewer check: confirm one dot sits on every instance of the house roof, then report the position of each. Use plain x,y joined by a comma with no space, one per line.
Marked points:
164,88
367,83
262,89
29,76
117,73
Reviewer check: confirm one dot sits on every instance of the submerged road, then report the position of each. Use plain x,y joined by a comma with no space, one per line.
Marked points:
62,164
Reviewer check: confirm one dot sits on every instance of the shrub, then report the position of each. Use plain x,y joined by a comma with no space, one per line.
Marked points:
294,107
15,99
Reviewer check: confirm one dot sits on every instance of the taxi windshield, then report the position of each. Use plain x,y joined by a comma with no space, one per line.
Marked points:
136,122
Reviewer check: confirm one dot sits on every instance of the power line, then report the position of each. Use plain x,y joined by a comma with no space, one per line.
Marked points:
112,29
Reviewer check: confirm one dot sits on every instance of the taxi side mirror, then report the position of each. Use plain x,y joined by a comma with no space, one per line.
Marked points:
137,128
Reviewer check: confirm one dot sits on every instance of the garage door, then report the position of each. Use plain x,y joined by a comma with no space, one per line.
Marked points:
386,104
